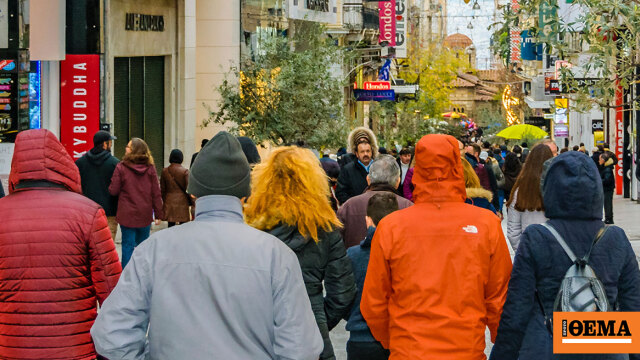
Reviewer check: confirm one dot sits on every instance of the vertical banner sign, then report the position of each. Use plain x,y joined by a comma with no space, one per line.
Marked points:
387,14
79,102
619,145
402,26
548,20
515,38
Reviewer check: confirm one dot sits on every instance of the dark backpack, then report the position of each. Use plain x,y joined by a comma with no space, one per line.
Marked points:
580,289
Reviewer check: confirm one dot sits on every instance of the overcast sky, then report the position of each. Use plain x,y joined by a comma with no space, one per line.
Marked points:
459,15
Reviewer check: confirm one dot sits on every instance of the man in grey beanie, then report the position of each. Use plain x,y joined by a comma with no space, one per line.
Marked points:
213,287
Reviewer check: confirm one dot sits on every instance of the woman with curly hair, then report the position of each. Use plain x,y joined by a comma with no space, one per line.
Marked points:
135,183
290,200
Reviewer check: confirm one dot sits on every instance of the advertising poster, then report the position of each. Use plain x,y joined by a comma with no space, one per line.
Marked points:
402,25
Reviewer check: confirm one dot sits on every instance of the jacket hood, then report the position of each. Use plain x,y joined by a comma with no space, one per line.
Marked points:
438,174
139,169
572,188
359,133
99,158
39,156
474,193
290,236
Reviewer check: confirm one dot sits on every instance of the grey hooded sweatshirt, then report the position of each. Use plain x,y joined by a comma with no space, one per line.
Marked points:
213,288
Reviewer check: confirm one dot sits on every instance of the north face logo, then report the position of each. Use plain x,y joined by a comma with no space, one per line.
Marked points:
470,229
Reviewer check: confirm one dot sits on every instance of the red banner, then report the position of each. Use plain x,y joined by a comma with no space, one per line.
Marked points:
387,15
377,85
619,145
79,102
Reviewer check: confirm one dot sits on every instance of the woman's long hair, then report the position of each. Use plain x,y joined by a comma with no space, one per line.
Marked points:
139,154
291,188
528,183
471,180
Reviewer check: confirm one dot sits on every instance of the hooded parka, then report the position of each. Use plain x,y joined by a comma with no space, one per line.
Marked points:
96,170
138,191
57,260
439,269
572,194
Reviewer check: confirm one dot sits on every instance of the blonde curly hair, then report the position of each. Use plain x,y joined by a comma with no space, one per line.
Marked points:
291,188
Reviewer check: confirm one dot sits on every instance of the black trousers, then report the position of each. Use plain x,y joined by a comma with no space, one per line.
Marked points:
608,206
366,351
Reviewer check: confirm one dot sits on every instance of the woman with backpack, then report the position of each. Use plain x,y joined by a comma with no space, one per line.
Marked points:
135,183
573,198
525,206
173,185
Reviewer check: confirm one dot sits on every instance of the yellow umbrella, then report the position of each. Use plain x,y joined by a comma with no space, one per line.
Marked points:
522,131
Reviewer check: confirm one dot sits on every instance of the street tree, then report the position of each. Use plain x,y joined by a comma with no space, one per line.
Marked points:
290,90
434,68
599,38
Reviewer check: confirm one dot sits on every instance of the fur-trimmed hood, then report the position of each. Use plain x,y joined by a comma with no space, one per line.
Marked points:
362,132
473,193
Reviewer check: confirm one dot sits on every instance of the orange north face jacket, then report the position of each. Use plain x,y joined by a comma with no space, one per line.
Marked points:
439,270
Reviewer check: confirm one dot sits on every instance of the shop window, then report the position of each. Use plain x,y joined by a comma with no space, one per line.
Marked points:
139,104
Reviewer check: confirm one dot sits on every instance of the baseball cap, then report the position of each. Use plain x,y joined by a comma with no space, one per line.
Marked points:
102,136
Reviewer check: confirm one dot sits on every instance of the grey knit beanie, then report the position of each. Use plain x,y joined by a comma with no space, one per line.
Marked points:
221,168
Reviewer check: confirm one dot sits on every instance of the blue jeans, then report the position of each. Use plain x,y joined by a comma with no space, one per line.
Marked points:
132,237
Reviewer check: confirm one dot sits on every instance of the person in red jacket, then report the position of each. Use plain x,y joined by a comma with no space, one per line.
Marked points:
438,270
136,184
57,260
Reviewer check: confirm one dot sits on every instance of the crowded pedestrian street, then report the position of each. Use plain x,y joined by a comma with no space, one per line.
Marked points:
319,179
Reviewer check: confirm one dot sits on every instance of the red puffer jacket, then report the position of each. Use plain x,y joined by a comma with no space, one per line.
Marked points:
57,258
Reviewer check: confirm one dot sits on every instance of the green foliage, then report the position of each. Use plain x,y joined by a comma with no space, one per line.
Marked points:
292,90
435,69
608,31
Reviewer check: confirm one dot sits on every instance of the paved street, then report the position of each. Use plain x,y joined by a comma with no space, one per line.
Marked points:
626,215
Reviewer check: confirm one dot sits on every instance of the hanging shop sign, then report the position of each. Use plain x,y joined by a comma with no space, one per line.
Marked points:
561,131
374,95
79,102
402,14
387,16
597,125
141,22
377,85
619,145
531,50
548,20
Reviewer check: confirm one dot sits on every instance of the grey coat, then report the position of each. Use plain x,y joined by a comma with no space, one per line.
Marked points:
213,288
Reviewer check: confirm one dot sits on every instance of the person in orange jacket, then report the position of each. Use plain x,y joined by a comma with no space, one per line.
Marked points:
439,270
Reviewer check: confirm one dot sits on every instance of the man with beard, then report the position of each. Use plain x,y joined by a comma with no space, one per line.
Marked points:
96,169
353,176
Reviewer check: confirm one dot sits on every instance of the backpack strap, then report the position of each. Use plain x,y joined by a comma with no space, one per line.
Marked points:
561,241
599,236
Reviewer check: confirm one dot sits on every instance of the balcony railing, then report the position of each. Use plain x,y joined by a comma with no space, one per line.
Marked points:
358,17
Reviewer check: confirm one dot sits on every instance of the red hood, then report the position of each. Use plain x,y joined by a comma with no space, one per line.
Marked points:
38,155
438,174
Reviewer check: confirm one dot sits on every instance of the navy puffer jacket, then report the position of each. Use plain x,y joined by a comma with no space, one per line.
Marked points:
573,198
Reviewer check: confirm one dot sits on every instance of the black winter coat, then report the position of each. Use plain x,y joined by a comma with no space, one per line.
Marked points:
608,179
96,171
351,182
323,261
573,199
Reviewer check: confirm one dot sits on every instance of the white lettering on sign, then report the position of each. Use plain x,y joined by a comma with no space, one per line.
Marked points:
620,147
78,155
79,79
79,92
80,104
79,130
77,142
